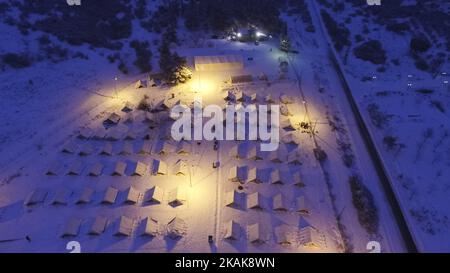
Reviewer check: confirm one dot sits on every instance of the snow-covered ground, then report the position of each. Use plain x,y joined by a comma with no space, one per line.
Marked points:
409,124
43,108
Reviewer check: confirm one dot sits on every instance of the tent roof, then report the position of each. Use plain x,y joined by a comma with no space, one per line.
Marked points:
218,59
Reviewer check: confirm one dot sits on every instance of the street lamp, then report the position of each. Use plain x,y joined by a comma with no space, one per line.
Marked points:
115,86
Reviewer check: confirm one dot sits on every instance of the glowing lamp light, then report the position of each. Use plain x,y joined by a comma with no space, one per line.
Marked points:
260,34
239,34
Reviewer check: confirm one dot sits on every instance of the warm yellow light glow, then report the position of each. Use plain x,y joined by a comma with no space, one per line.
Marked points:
202,86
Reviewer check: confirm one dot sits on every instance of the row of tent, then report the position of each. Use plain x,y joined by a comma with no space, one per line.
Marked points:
281,155
63,196
147,147
139,168
244,174
235,199
235,94
125,226
305,234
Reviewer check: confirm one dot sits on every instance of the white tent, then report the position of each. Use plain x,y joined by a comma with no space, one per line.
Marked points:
238,174
124,226
177,196
133,195
159,167
61,197
288,124
146,148
252,175
294,158
297,180
233,153
164,148
113,118
127,148
36,197
119,169
155,194
303,205
96,169
53,168
75,168
284,110
107,149
254,201
110,195
99,133
218,63
286,99
128,107
131,134
283,234
72,227
86,149
181,168
254,234
290,139
276,177
279,203
231,231
151,227
98,225
85,196
176,228
140,84
69,147
184,148
232,199
140,169
277,156
85,133
255,154
115,134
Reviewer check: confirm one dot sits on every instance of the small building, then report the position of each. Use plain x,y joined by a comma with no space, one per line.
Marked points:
85,133
69,148
86,149
277,177
218,63
113,118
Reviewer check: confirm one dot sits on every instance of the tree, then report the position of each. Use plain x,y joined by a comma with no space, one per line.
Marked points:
285,44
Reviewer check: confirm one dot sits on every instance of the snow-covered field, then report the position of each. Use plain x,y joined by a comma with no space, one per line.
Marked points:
407,112
45,107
